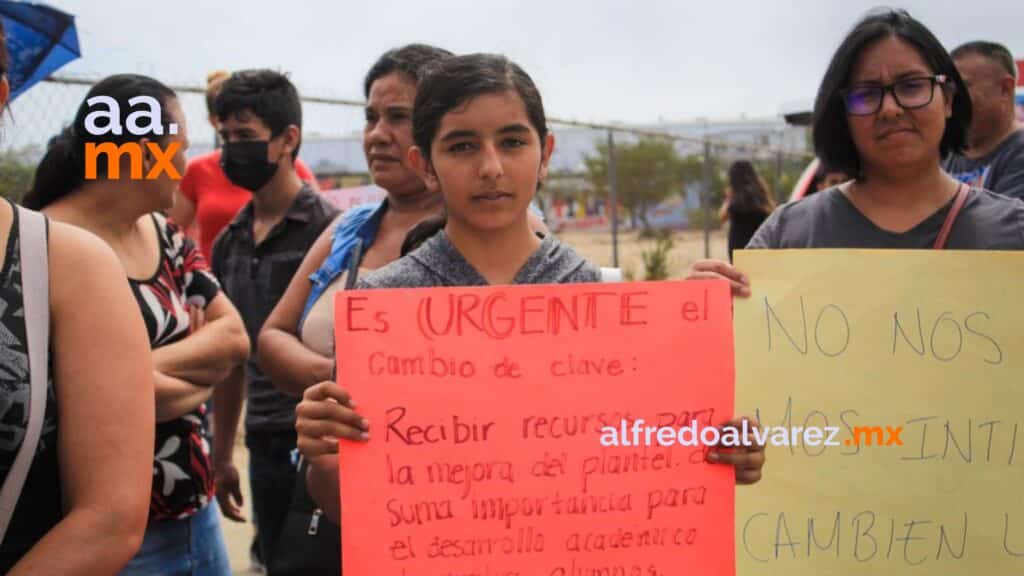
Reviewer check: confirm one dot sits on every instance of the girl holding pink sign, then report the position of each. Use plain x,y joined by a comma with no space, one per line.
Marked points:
481,141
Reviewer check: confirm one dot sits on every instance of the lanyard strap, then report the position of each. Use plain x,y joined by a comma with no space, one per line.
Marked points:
961,198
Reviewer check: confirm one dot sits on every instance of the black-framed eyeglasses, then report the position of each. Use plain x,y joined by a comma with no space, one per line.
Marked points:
909,93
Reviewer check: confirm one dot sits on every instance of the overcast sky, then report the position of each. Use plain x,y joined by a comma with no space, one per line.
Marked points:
597,60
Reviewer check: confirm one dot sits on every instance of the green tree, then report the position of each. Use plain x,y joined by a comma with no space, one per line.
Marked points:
647,172
15,176
656,260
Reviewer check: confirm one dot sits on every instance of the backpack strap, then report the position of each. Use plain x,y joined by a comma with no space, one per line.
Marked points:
36,299
961,199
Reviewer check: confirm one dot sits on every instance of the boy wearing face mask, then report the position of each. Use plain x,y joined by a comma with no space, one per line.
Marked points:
255,257
206,200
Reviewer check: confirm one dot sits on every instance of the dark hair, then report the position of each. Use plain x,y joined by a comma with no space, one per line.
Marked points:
449,84
410,60
456,80
993,51
749,191
422,231
832,140
62,168
266,94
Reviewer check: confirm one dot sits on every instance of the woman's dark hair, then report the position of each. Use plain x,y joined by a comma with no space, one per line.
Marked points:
266,94
451,83
410,60
832,140
422,231
454,81
749,191
62,169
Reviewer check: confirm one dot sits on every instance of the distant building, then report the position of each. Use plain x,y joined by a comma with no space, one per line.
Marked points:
343,157
339,163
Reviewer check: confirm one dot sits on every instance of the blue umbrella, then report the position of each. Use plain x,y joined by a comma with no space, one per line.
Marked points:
40,40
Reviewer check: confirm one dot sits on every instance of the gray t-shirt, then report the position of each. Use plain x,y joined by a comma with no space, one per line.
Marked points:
828,219
1001,170
438,263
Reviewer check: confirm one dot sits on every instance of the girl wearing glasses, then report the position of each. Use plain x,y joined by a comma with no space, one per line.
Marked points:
890,107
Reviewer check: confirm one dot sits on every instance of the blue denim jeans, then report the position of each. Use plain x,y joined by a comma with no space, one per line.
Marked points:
191,546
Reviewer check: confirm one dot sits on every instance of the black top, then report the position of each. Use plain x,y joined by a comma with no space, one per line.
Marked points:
182,470
39,506
255,277
742,227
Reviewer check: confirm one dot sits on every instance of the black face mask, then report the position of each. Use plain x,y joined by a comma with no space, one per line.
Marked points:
245,164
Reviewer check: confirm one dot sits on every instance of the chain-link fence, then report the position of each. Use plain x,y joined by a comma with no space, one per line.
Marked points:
604,179
50,105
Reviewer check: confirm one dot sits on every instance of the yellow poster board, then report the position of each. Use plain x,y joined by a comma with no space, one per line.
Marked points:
920,354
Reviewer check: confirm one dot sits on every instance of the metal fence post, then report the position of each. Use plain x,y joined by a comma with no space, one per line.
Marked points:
614,199
705,198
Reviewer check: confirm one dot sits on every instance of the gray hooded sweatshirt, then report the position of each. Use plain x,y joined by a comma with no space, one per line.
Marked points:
438,263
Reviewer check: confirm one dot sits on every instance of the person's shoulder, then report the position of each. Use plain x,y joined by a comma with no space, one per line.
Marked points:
562,264
406,272
810,208
790,225
1016,140
78,258
426,266
203,175
1012,153
325,209
302,169
586,272
171,236
986,199
998,206
995,213
316,209
357,216
346,227
204,162
818,202
163,223
66,240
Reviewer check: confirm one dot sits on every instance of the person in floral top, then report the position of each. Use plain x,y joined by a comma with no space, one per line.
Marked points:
196,335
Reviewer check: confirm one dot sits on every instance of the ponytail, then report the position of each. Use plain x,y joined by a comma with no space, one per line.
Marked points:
59,172
62,169
424,231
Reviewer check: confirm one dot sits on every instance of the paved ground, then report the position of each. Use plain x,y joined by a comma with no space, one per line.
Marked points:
238,536
689,247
